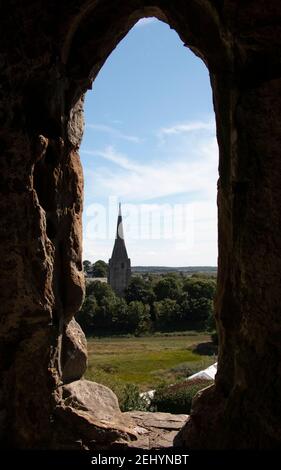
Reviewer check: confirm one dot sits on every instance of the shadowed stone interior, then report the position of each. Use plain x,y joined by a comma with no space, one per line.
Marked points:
50,53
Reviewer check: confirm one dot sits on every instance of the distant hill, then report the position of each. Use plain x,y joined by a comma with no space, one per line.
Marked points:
169,269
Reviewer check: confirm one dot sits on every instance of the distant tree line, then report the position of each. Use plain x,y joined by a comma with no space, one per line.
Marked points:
168,302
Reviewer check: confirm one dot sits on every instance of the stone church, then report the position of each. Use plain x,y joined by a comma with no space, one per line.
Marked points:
119,265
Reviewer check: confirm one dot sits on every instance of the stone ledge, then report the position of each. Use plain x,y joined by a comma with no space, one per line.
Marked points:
155,430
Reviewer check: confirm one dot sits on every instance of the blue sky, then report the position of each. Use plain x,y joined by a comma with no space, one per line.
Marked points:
149,142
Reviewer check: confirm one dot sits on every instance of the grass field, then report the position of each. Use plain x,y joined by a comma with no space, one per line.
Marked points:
145,361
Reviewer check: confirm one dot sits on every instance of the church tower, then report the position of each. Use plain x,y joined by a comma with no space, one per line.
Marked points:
119,265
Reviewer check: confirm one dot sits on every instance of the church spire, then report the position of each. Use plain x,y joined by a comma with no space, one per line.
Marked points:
119,266
120,232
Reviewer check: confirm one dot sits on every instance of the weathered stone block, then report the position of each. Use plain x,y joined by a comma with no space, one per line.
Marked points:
74,352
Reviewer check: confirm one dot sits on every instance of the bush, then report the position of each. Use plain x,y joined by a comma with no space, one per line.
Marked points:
182,370
130,399
178,398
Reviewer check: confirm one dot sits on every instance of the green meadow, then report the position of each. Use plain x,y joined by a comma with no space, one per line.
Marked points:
146,361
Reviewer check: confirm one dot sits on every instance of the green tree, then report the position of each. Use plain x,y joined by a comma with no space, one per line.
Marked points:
100,290
87,267
201,309
166,302
140,290
95,315
210,321
167,314
139,317
120,318
167,288
100,269
86,314
200,287
184,304
200,293
103,321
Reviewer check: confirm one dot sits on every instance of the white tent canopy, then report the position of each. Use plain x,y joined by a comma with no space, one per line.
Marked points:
207,374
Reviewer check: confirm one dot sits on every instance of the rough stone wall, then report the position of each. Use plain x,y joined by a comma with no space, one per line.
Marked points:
41,204
49,54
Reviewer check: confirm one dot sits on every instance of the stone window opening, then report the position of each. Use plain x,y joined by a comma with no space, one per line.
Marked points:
181,419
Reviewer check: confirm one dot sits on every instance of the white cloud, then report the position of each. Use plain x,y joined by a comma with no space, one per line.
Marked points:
145,22
114,132
189,168
187,127
157,253
197,245
131,180
109,153
97,249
